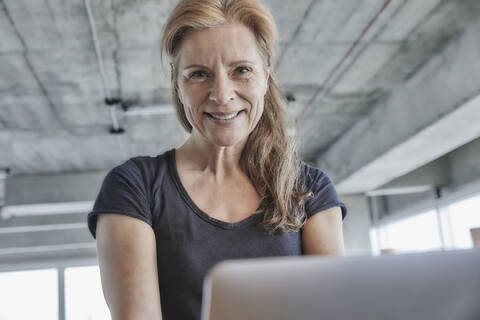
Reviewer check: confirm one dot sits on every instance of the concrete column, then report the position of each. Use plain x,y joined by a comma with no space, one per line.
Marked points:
356,226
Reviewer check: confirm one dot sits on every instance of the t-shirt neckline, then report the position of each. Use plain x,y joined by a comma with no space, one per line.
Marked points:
171,159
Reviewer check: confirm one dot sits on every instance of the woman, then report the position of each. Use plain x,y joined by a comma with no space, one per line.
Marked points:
235,189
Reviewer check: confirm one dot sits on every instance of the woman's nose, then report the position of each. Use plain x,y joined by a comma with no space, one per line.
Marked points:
222,90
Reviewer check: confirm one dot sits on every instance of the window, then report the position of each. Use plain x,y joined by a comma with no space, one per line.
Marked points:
29,295
413,234
423,233
83,294
459,218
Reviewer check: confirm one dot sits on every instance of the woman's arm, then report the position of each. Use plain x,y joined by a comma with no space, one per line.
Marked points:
128,266
322,233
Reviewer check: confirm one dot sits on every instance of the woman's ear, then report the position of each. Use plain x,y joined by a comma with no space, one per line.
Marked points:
267,79
178,93
267,74
175,82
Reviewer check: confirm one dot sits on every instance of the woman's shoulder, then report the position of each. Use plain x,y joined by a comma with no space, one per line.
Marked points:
324,194
147,166
311,174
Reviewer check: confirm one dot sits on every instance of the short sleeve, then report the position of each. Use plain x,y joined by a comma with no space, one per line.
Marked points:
324,194
123,191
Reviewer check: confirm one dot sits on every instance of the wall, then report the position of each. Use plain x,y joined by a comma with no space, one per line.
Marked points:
356,226
457,172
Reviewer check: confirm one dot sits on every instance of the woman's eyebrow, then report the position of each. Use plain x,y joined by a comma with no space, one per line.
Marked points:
231,64
241,61
194,66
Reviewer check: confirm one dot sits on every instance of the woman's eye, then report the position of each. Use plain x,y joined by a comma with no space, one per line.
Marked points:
243,71
198,75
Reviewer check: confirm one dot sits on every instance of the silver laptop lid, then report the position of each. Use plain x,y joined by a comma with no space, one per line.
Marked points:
439,286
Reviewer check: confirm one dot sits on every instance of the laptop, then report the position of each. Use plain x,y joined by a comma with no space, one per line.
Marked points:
436,286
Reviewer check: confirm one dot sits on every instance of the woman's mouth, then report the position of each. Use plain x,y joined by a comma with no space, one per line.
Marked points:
223,117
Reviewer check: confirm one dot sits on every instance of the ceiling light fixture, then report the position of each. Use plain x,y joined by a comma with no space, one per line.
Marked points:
290,97
131,109
399,190
4,173
112,106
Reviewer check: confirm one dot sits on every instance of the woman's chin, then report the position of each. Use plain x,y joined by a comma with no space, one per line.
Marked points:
227,141
226,144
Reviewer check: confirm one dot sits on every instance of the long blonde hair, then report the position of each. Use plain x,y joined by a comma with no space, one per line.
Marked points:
269,157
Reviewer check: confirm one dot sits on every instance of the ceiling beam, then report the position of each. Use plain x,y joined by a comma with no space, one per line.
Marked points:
415,125
67,190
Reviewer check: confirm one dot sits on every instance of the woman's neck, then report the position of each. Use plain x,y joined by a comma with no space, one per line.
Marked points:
198,155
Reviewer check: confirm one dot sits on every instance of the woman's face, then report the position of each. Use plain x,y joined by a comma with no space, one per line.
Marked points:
222,82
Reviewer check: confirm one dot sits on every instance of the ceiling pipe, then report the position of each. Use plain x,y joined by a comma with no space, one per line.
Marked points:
110,101
322,89
40,209
133,109
98,51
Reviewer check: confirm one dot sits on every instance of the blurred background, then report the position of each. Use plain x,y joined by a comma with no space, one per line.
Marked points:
385,95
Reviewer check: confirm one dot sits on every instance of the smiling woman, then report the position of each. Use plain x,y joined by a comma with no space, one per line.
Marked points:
221,84
235,189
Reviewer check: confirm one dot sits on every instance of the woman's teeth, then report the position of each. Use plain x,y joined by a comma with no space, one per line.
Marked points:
224,117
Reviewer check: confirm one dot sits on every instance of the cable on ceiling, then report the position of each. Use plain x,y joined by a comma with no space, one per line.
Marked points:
111,102
323,86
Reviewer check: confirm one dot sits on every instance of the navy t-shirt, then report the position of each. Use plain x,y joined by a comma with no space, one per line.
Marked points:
189,242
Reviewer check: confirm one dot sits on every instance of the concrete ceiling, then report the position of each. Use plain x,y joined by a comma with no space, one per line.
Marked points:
377,84
336,57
